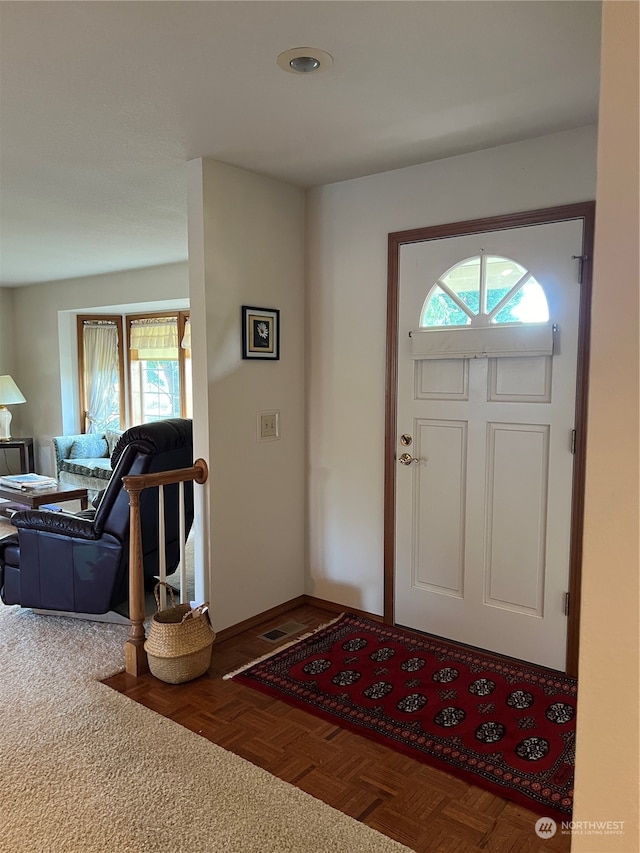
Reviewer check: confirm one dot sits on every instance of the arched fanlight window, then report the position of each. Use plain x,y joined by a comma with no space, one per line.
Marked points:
484,290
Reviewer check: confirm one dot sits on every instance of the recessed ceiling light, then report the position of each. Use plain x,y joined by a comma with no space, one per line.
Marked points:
304,60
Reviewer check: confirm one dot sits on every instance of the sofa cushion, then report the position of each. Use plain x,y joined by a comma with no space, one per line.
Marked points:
88,447
100,467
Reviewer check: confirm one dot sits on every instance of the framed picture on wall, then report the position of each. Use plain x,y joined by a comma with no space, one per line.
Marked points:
260,333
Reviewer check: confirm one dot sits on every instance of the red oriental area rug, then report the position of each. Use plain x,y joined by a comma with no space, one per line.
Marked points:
504,726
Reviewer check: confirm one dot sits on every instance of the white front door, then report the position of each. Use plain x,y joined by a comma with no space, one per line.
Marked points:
483,514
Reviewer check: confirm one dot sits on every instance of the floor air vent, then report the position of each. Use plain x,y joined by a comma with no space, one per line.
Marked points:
287,629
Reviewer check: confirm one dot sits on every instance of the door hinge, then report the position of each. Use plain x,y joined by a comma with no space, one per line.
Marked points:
573,441
581,259
567,597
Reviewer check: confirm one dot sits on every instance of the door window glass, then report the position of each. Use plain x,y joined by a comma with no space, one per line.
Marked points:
483,290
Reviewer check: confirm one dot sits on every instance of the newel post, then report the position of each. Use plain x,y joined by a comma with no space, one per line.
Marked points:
135,655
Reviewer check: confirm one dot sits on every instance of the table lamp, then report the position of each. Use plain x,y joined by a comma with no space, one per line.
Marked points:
9,394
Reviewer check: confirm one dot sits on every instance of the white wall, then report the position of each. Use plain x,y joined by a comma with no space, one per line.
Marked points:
44,342
8,458
246,247
6,331
607,772
347,231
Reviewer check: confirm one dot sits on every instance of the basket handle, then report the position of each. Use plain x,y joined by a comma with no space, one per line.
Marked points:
156,594
202,610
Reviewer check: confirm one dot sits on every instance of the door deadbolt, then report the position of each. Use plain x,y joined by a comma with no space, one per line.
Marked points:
405,439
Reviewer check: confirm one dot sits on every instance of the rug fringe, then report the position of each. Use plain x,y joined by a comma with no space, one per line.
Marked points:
281,648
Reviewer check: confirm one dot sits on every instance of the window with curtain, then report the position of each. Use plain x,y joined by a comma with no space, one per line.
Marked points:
160,379
154,371
101,382
149,379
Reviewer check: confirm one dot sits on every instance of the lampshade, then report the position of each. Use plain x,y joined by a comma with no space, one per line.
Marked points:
10,394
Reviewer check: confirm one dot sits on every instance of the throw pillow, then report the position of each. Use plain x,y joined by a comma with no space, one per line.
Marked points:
112,436
87,447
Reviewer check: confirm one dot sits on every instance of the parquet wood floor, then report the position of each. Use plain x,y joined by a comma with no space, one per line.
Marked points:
427,809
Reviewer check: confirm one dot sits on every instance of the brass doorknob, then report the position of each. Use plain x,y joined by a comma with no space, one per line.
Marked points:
407,459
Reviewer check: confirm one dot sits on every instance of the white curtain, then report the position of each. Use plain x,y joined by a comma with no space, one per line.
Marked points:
160,334
186,338
101,374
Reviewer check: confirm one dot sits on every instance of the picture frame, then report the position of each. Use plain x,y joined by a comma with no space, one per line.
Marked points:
260,333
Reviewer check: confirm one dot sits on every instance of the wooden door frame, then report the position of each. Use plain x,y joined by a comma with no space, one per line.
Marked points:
397,239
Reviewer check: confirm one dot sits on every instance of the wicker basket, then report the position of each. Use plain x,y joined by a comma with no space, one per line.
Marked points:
180,641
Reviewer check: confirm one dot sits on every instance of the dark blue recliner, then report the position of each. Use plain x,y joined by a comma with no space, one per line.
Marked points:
81,565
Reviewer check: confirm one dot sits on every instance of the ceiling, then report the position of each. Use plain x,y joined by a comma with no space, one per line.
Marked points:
103,104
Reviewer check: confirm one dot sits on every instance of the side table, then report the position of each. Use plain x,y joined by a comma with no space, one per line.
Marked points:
25,446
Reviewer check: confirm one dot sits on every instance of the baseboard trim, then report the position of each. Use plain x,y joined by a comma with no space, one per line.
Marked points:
258,619
285,607
335,607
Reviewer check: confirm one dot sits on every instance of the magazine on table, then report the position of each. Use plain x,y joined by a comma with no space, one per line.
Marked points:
27,482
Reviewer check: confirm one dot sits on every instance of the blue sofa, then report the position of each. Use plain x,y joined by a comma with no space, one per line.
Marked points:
85,460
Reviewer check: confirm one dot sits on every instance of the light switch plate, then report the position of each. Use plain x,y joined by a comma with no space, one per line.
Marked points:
269,425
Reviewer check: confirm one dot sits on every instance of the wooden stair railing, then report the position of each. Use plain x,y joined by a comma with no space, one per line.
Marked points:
135,656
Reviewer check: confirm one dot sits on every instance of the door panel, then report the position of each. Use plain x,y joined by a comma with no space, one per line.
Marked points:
483,517
442,379
516,519
439,516
520,380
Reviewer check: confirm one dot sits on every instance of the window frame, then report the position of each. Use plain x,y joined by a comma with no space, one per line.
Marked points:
123,326
116,320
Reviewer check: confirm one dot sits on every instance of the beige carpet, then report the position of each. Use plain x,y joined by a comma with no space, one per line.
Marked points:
84,769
